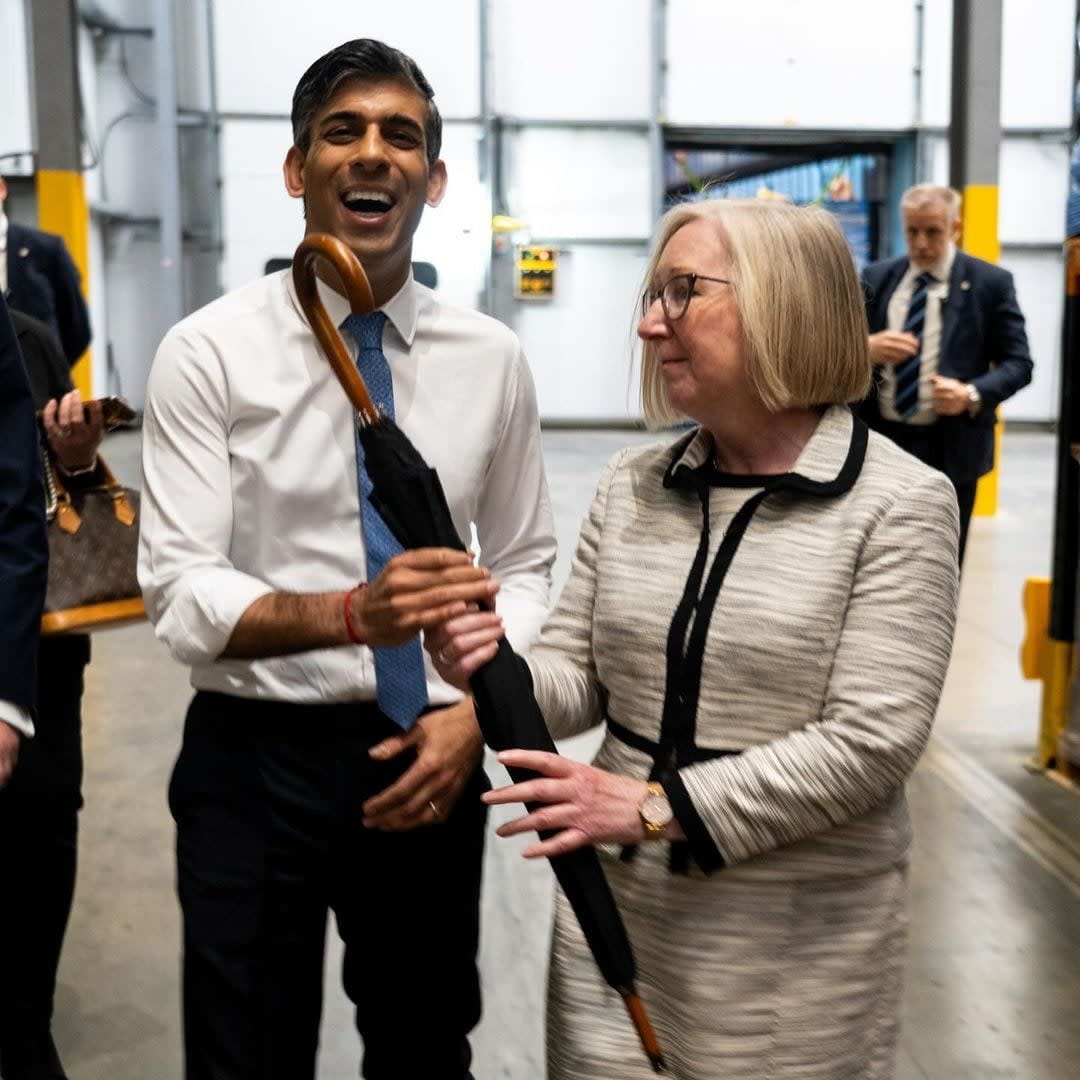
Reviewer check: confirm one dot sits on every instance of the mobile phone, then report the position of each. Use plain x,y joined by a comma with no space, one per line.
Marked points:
116,412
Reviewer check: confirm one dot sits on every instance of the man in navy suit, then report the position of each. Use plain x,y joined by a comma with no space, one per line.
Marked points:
948,344
39,277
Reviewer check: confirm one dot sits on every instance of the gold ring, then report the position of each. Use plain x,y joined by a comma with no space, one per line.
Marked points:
434,808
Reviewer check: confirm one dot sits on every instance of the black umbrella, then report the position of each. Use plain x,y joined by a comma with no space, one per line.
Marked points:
410,498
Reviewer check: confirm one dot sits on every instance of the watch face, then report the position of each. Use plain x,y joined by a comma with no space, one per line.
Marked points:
656,810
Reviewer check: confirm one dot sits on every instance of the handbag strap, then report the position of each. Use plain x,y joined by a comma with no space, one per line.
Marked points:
58,502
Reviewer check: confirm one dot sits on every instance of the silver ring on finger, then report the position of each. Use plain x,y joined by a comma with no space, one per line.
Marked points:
442,657
434,809
63,432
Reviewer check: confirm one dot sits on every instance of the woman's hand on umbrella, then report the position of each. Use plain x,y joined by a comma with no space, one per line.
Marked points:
418,590
581,804
463,644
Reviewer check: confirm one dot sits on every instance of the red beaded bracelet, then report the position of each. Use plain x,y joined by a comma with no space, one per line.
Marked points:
348,621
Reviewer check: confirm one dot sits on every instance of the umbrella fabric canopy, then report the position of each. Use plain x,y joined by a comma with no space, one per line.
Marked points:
410,498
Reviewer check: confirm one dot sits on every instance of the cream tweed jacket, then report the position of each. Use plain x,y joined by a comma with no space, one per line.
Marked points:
779,952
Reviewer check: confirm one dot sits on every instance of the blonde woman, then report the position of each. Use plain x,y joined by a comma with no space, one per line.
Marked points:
761,614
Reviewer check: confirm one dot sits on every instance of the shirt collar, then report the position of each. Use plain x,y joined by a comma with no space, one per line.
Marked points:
3,230
402,309
823,467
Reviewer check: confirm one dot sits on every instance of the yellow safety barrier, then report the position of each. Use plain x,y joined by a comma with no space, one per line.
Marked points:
1044,658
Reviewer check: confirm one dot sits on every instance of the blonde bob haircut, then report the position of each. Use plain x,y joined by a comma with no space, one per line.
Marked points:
800,304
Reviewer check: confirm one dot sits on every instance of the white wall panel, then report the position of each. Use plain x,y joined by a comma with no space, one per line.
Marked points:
787,63
15,124
1033,185
579,183
1040,288
581,343
1037,62
264,46
599,70
262,221
937,63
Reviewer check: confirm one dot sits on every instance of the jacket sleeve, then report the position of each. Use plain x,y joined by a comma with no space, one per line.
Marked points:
23,545
879,704
1005,350
562,664
72,316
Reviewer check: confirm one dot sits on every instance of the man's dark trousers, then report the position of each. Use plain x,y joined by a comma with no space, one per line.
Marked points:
267,799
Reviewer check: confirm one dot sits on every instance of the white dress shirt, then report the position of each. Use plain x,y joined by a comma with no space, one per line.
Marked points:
899,302
250,481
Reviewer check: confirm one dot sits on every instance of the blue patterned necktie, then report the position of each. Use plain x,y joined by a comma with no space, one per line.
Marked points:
908,372
400,682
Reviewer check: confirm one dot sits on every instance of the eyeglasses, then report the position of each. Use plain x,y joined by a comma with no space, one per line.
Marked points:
675,294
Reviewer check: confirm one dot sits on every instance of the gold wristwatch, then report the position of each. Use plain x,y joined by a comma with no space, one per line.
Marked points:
655,812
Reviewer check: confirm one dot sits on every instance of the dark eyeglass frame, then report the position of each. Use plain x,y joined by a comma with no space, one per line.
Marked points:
650,296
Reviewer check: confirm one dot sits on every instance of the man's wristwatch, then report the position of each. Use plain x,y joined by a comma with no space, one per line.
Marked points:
974,400
655,812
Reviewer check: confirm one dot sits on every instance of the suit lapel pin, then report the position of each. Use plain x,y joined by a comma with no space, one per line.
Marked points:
23,252
965,285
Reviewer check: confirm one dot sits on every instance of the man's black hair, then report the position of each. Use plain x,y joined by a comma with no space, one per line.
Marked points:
364,58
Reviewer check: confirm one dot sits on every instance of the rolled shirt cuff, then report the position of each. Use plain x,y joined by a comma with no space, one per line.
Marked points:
198,620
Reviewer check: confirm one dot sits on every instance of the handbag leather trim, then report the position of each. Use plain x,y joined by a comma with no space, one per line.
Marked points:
100,616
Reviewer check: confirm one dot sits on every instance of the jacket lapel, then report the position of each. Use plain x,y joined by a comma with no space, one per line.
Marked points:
955,304
17,249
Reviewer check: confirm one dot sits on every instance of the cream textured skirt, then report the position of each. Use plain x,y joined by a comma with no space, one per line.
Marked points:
744,978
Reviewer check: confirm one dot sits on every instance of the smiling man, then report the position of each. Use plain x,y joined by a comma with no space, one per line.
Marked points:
324,766
948,344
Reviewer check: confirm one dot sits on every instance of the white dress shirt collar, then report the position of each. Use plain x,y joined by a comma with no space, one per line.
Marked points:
401,309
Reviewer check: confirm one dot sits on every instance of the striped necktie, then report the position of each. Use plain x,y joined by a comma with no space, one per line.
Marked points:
400,682
907,373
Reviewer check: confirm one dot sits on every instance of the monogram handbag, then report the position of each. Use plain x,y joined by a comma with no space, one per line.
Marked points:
93,547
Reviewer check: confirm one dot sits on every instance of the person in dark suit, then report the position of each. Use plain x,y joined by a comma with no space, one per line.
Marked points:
23,550
23,568
948,343
39,806
39,277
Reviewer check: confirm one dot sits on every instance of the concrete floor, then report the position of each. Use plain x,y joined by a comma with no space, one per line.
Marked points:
993,987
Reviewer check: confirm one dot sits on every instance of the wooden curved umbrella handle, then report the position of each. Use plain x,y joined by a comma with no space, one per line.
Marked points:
357,289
